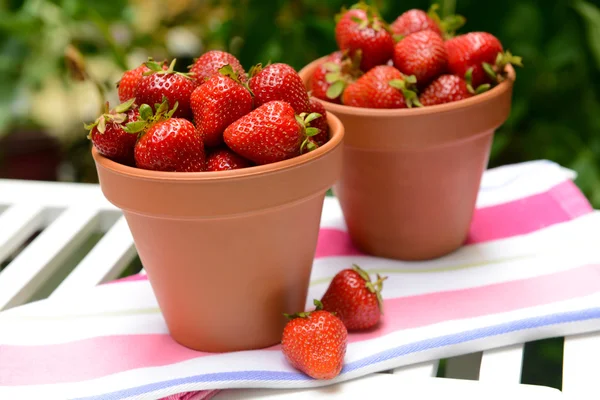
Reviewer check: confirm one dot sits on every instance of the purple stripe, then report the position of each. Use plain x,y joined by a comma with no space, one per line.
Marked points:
411,348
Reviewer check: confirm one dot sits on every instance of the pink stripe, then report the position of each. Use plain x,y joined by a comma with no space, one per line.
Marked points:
136,277
97,357
422,310
562,203
88,358
335,242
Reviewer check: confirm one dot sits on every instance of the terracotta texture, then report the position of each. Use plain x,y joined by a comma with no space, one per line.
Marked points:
227,253
411,176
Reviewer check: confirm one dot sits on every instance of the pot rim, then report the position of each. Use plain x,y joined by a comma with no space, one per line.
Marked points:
336,136
496,91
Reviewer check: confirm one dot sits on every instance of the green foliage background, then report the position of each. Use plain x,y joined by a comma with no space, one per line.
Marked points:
556,106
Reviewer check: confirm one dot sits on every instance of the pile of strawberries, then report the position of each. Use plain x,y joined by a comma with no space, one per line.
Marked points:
214,117
416,61
315,342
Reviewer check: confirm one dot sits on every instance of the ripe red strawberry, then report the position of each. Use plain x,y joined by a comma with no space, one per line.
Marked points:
354,298
421,54
278,82
271,133
412,21
167,143
445,89
218,103
418,20
108,133
320,123
362,29
382,87
158,83
331,77
212,61
315,343
480,52
223,159
126,86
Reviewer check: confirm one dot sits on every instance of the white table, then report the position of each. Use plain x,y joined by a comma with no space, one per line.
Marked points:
69,214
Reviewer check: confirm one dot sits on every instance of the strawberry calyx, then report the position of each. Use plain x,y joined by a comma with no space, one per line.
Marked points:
407,87
308,132
340,75
374,19
373,287
228,71
497,72
157,68
469,80
149,118
255,69
449,24
306,314
116,115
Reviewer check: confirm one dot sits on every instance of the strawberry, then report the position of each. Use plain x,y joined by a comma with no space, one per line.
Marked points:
412,21
224,159
445,89
320,123
126,86
167,143
333,75
421,54
158,83
278,82
479,54
108,135
218,103
315,343
354,298
271,133
362,30
418,20
212,61
382,87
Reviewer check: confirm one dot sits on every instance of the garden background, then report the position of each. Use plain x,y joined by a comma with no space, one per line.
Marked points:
55,54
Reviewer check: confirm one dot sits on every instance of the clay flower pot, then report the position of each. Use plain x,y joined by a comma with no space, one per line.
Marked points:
227,253
411,176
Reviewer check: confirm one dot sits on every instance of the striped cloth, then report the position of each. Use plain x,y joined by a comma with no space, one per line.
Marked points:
529,270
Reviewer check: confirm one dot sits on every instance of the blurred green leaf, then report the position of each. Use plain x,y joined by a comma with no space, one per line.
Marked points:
591,16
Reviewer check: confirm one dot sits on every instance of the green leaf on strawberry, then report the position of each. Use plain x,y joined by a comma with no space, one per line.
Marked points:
406,87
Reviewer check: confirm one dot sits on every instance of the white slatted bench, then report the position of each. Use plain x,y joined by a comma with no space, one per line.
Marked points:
69,215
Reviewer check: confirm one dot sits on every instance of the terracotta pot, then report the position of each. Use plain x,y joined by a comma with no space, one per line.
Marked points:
227,253
411,176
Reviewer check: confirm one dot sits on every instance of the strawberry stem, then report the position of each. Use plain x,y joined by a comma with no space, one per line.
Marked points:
157,68
116,116
254,70
373,287
450,23
406,86
305,314
149,118
363,274
308,132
